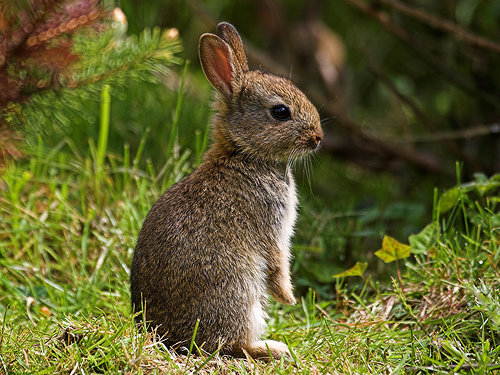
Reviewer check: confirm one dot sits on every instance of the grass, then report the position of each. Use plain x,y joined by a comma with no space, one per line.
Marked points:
68,225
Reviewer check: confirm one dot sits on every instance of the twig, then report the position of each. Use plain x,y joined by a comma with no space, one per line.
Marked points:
443,24
476,131
324,313
425,120
421,49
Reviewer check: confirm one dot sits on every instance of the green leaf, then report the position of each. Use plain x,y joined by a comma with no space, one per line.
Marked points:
392,249
448,199
422,242
357,270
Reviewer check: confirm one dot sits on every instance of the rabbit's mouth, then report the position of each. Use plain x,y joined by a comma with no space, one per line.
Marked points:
311,143
314,142
305,146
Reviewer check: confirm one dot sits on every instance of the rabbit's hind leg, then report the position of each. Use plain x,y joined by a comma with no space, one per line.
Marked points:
262,350
250,343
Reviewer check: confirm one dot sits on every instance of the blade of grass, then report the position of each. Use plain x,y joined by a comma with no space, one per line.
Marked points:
192,341
173,139
102,142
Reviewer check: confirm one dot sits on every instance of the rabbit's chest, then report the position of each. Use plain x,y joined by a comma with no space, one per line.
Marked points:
288,215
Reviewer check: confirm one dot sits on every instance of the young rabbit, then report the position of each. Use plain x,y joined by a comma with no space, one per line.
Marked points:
217,242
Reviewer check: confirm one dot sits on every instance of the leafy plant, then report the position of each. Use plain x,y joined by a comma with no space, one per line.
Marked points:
392,250
357,270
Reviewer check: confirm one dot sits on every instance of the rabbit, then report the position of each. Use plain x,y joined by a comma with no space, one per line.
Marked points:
218,241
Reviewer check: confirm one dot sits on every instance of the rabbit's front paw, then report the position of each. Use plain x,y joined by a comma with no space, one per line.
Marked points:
286,298
282,293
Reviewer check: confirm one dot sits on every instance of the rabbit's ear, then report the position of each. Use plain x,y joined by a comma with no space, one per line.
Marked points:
227,32
217,62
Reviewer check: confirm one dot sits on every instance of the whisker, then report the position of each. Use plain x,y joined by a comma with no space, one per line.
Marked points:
287,167
289,163
297,156
307,172
304,159
293,158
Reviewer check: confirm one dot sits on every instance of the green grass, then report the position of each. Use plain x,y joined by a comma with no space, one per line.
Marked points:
68,224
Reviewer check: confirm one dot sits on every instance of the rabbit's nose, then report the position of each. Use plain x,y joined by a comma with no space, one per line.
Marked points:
317,137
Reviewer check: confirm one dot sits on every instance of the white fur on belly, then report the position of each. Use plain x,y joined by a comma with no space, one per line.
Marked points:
290,215
257,320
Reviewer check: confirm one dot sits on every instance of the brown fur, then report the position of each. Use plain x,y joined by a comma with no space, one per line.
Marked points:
217,242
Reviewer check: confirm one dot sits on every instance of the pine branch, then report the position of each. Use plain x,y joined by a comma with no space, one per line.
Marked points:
33,52
55,52
151,52
35,49
146,57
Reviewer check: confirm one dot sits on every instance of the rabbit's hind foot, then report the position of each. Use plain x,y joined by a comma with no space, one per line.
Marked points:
262,350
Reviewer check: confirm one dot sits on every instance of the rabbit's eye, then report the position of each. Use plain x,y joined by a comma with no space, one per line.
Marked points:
281,112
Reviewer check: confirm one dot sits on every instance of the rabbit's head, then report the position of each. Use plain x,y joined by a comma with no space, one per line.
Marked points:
260,114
